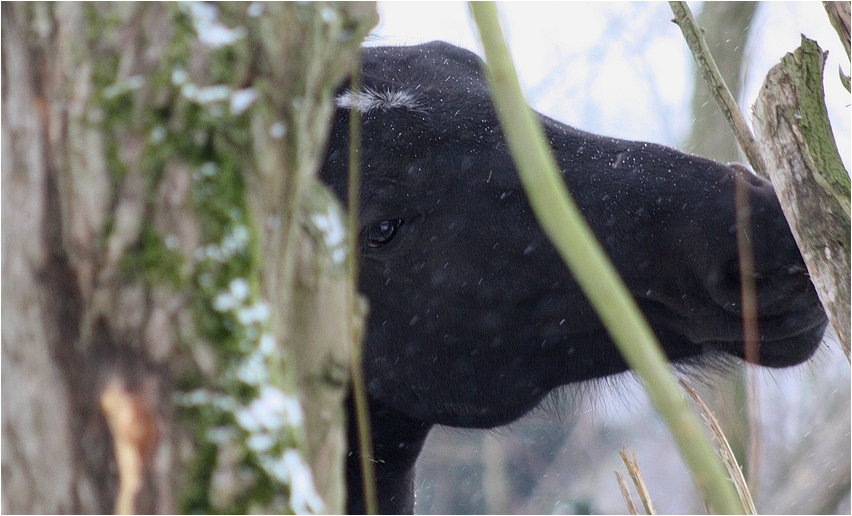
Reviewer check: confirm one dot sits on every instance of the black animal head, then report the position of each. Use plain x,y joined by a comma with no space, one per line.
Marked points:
474,317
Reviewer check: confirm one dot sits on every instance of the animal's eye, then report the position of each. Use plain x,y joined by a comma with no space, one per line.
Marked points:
379,234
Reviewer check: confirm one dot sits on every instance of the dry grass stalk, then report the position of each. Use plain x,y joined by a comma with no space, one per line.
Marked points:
625,492
725,451
638,481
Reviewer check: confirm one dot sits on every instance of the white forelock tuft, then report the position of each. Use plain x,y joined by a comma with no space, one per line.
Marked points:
370,99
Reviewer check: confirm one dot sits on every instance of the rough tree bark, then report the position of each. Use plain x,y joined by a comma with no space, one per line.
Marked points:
158,198
812,184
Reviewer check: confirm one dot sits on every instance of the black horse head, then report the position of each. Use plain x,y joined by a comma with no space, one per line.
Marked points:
474,318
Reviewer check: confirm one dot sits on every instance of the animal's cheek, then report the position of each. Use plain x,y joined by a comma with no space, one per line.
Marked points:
438,277
417,267
491,322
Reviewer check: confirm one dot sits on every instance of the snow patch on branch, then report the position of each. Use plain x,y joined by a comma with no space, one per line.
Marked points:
211,32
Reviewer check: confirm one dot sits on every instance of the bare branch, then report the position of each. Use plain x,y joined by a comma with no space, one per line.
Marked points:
838,15
694,36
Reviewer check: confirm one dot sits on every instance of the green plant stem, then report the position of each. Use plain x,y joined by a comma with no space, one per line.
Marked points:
359,390
572,237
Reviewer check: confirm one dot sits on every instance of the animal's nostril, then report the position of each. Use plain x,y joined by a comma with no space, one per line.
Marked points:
725,284
731,273
774,287
733,277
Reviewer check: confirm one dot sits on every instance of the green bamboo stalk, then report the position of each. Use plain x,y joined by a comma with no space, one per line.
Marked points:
562,221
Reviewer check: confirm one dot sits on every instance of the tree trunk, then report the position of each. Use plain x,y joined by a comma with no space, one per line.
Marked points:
164,240
808,175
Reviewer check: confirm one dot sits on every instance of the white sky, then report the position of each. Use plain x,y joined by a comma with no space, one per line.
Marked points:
620,69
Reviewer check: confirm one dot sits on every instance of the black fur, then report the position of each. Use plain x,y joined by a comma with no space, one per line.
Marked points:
474,318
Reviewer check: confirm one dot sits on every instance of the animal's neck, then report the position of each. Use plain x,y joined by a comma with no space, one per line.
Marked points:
397,440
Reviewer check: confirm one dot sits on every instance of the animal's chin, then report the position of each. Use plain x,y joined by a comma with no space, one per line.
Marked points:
787,338
778,352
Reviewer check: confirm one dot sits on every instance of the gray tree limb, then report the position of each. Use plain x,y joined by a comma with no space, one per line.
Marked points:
809,178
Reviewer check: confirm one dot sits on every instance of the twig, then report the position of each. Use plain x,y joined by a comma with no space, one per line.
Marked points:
694,36
838,15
